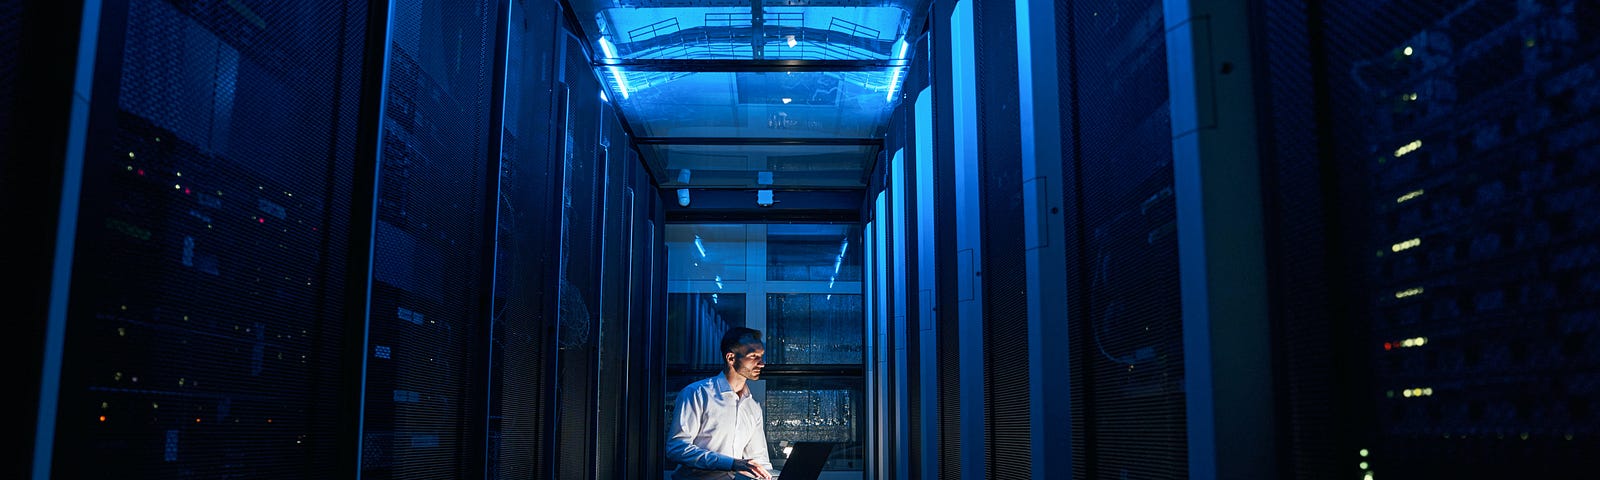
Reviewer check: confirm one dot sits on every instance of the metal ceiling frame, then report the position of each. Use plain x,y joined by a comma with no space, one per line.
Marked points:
750,66
730,204
739,141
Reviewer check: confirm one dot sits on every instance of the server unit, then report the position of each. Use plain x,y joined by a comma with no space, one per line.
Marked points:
1445,323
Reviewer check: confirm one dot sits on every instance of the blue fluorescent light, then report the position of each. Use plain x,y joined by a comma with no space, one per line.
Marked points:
610,52
894,73
622,81
701,246
839,260
894,80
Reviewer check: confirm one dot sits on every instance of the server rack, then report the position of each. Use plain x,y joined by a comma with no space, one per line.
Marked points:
305,239
434,256
1455,148
526,276
205,321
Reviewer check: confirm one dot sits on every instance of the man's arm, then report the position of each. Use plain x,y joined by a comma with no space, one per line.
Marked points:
686,414
756,450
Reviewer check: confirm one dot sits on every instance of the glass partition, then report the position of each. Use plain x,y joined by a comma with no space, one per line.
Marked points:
789,32
755,104
742,166
814,329
697,321
817,409
822,253
813,322
707,252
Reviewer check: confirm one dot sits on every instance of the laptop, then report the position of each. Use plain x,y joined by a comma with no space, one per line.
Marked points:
805,461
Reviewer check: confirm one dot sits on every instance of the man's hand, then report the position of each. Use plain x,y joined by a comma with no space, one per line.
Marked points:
751,468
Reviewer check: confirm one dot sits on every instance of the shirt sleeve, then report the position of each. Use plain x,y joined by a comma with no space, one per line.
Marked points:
686,414
756,450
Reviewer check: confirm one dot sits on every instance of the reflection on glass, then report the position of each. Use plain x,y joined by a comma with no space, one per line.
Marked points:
695,323
798,32
814,329
706,252
809,330
741,165
824,253
816,409
751,104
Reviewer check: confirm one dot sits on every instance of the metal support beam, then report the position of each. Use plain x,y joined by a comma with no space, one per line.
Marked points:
1227,343
1043,186
739,66
827,141
758,24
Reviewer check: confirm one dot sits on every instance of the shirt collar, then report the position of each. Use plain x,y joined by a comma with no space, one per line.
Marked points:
719,382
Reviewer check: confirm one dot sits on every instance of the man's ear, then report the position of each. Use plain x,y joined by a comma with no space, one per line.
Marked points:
727,356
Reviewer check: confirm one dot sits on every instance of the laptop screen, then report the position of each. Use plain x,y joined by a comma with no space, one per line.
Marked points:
805,461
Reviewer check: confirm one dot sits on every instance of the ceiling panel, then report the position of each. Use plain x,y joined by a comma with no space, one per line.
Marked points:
745,104
760,166
788,77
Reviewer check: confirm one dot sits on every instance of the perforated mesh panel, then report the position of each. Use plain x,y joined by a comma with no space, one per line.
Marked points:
949,363
642,445
1317,434
947,340
527,238
1005,302
1468,149
580,265
1128,402
206,317
900,138
614,328
428,253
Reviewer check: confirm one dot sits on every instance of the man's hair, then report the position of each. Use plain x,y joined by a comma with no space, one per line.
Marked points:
738,336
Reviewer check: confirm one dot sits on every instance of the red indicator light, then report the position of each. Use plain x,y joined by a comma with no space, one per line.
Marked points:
1388,346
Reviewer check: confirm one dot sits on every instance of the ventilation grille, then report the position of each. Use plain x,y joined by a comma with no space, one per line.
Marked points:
1129,407
203,337
523,294
429,275
1317,433
1005,310
579,266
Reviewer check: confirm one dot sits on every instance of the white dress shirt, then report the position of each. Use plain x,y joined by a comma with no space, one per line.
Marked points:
712,427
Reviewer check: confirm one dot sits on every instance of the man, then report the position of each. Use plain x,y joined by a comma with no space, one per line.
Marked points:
717,428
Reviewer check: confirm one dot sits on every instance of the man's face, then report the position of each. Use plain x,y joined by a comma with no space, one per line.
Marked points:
747,361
